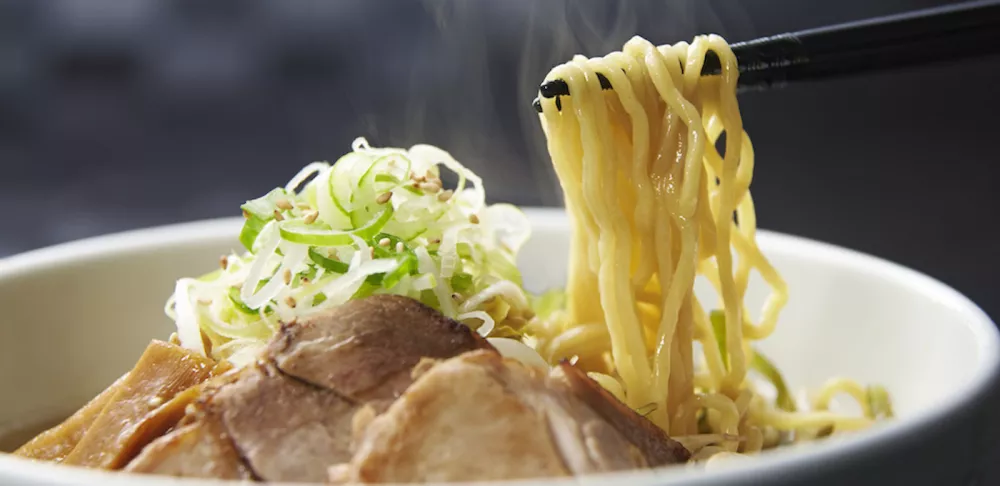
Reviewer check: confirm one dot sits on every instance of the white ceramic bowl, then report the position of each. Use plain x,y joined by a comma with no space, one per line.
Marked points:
75,316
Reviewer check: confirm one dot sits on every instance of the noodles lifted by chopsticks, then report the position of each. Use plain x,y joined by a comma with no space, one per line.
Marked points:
652,203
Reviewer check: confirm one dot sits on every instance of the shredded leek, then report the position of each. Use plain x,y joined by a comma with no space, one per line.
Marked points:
378,220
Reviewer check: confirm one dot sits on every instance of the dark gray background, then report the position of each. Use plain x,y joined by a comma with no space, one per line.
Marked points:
120,114
116,114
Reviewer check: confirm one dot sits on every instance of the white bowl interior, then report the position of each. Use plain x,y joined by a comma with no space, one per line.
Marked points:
77,316
848,315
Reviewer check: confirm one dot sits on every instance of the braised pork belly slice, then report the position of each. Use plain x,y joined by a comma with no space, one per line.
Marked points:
366,348
657,448
285,429
480,417
290,416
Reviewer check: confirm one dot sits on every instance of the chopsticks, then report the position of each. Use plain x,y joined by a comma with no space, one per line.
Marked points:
964,30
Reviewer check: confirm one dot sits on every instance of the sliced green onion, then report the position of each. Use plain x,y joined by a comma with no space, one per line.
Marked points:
389,250
461,282
367,288
718,319
407,266
251,228
234,297
762,365
210,276
263,207
646,409
879,402
318,235
330,264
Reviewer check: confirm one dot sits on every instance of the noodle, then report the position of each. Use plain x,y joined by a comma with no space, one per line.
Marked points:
652,205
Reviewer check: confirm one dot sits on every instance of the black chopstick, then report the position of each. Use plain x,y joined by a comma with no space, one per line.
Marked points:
964,30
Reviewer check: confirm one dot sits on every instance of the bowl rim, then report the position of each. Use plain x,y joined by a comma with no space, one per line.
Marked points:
785,462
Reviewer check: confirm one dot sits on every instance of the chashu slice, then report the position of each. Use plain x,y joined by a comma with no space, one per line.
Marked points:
290,416
365,349
657,448
286,430
480,417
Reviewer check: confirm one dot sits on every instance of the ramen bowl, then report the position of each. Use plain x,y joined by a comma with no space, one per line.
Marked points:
76,316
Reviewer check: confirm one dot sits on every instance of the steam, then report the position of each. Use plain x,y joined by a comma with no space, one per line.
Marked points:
473,76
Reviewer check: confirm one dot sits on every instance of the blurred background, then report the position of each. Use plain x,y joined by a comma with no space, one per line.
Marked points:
122,114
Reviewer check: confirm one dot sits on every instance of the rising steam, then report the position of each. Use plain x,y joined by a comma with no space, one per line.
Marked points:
475,73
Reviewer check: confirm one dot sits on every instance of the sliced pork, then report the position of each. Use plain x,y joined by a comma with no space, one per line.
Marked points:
366,348
481,417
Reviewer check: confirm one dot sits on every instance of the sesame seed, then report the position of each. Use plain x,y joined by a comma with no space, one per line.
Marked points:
456,296
429,175
400,246
429,187
437,181
435,241
278,216
371,252
311,217
284,204
305,280
246,214
290,301
473,219
384,197
384,242
205,301
302,205
287,276
444,196
224,262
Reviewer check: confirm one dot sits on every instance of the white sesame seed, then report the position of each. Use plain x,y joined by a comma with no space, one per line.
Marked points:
400,247
371,252
278,216
205,301
287,276
284,204
290,301
302,205
473,219
311,217
384,197
429,187
224,262
444,196
384,242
